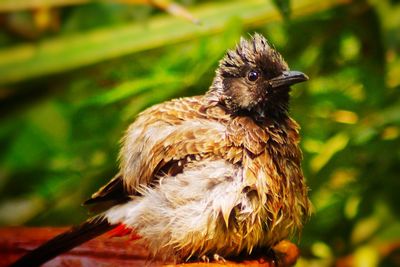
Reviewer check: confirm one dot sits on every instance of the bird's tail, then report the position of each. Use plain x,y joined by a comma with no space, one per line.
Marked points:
65,241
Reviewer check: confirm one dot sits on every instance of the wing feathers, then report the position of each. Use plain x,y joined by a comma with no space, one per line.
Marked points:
111,194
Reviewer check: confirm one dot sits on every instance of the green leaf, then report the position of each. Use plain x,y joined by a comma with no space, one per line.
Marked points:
66,53
284,7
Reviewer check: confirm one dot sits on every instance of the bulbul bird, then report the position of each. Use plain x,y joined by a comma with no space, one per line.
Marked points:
216,175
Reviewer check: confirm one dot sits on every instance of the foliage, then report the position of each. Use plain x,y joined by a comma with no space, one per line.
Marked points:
68,92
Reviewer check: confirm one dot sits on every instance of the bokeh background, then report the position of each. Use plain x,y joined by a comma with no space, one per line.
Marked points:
74,73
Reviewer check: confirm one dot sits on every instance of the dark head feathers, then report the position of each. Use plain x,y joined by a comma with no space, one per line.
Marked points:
254,79
255,53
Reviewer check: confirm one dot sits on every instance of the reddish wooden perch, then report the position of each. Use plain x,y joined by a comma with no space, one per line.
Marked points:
105,251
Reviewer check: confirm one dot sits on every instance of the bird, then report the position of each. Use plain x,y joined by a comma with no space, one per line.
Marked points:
210,176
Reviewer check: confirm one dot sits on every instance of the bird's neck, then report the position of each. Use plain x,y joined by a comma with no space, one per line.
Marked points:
275,111
274,108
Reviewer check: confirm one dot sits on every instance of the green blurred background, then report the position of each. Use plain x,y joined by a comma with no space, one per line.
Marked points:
74,73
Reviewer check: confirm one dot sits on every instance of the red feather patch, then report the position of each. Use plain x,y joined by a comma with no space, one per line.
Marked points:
123,230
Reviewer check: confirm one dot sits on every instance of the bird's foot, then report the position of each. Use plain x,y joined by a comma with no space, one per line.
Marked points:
205,259
273,257
283,254
219,258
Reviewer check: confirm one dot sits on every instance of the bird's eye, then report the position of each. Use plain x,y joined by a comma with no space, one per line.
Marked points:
252,75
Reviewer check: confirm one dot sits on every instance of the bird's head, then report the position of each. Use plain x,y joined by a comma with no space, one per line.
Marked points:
254,79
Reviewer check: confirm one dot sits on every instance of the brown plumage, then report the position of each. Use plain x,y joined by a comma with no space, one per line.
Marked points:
218,173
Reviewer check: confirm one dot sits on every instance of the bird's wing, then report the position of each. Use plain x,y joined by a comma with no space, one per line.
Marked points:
165,136
108,195
161,140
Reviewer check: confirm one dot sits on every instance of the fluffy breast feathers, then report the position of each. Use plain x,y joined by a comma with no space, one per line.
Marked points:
167,136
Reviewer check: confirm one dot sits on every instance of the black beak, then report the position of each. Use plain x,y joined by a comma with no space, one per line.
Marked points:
288,78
